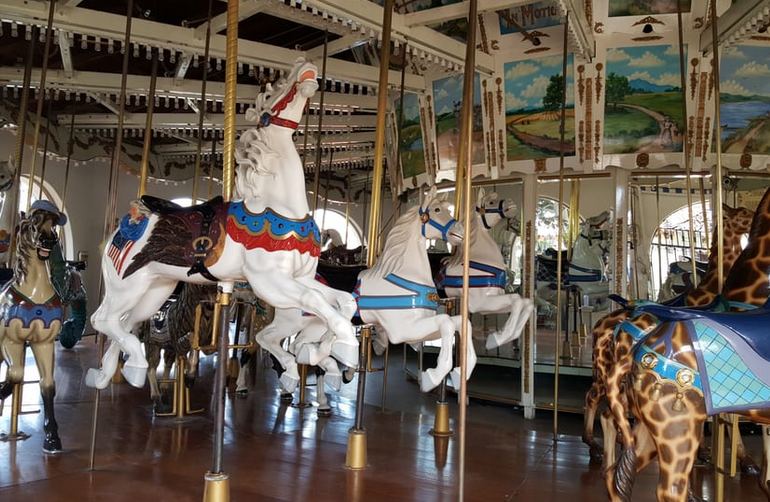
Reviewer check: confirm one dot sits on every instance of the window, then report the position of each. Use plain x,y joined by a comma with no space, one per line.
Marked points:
547,226
336,230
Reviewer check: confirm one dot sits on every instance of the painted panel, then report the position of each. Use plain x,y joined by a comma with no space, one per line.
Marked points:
532,104
527,17
643,100
411,141
447,99
645,7
745,100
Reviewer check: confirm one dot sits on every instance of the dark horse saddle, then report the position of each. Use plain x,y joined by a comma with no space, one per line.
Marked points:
184,236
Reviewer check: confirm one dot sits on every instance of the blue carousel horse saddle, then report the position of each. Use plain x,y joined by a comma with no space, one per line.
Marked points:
733,354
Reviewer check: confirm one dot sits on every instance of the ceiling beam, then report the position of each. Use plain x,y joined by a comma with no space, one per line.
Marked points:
106,25
182,65
738,16
369,15
337,46
105,102
109,83
66,53
354,141
246,9
453,11
62,4
216,120
300,16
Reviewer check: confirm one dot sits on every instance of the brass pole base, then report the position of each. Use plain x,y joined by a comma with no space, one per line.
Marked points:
6,437
441,421
355,458
217,488
301,405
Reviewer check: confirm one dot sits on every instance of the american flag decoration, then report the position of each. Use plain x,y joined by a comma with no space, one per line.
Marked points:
119,249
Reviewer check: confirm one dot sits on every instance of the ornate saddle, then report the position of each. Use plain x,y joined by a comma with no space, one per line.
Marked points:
184,236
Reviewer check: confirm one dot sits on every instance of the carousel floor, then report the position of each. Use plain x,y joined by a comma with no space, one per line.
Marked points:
277,452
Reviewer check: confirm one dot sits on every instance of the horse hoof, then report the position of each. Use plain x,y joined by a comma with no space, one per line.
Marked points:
324,412
97,379
288,383
596,456
346,353
749,468
334,382
348,375
134,375
287,397
429,380
242,391
52,445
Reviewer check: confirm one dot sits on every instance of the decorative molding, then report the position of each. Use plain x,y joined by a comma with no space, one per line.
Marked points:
642,159
690,132
581,83
648,20
589,110
597,140
647,38
711,79
536,50
539,165
501,146
698,23
745,161
581,140
498,82
706,139
483,30
598,27
693,77
599,83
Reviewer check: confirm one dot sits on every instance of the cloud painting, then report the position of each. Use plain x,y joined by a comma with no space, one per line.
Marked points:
745,100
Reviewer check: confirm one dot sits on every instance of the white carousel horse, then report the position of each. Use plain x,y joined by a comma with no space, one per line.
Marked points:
397,295
10,205
679,279
31,311
266,237
586,270
487,272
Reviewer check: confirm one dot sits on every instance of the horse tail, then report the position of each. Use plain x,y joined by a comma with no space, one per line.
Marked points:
73,328
621,485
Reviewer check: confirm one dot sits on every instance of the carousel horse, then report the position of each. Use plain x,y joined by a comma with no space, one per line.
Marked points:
10,205
692,364
736,223
487,293
679,279
398,296
586,269
31,312
265,236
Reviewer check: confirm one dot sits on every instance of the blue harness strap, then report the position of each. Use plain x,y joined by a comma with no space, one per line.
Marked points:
422,296
666,368
444,229
592,274
497,279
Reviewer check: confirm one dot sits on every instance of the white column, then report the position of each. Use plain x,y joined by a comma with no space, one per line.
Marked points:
619,252
528,232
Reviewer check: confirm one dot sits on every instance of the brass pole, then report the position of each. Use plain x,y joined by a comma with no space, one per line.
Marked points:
217,483
145,170
379,142
304,135
716,184
212,162
40,99
560,232
706,229
70,149
22,120
686,146
202,105
45,150
660,237
112,196
401,109
347,206
634,237
464,162
317,177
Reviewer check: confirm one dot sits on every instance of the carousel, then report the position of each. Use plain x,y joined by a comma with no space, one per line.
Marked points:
385,250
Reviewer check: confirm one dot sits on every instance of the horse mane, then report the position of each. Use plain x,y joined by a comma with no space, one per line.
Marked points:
252,153
399,238
24,245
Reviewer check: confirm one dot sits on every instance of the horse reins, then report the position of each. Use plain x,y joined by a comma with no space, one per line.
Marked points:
483,212
444,229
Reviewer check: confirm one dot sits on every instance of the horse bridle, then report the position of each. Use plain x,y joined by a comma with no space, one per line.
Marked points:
602,236
483,212
427,220
273,117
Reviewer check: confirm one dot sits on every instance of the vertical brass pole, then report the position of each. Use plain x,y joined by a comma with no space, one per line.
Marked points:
660,237
464,162
716,184
70,149
112,196
40,98
379,142
217,483
317,178
45,150
347,206
202,106
703,209
401,108
22,120
560,232
212,162
145,170
685,144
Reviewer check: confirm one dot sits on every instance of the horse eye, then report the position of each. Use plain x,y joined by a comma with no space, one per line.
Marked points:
438,209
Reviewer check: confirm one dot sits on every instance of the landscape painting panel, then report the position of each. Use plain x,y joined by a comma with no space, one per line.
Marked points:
645,7
533,96
643,100
410,138
447,101
745,100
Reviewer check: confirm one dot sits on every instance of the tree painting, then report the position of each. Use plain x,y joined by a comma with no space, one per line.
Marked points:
617,89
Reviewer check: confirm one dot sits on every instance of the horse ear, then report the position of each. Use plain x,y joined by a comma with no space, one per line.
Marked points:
481,195
251,114
431,193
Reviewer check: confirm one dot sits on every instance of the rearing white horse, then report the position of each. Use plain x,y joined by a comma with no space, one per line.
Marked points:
266,236
486,292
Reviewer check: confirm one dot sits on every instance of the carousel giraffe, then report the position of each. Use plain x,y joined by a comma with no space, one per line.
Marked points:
737,222
666,394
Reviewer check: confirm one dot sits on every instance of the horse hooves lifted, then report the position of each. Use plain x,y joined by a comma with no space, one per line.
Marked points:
134,375
97,379
596,454
324,412
287,397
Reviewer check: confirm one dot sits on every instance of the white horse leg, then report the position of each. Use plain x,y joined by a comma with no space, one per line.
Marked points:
324,410
519,309
283,292
286,323
470,356
425,329
311,346
332,374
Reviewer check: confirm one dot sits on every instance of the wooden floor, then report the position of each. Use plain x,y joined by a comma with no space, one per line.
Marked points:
277,452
